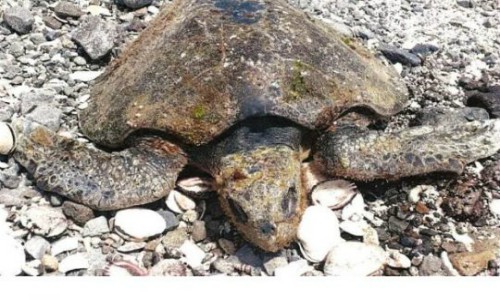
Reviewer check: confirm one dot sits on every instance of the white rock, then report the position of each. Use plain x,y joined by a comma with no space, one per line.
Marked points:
333,194
139,224
179,203
193,255
354,228
354,259
45,221
318,232
97,10
6,139
84,76
495,207
293,269
12,257
354,211
64,245
36,247
33,268
76,261
398,260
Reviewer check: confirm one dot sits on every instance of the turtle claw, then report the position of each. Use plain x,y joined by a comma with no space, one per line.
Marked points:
418,150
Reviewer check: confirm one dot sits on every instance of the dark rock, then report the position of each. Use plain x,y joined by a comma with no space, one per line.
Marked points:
80,214
427,232
227,246
463,201
397,226
136,26
250,256
170,219
407,241
396,55
95,36
66,9
134,4
431,266
19,19
491,176
52,22
489,100
466,3
423,49
440,116
56,200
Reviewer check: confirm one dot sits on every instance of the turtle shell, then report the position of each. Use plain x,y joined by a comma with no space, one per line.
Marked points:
203,65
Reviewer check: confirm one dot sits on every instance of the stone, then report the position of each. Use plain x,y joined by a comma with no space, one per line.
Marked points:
36,247
465,3
396,225
46,115
50,263
471,263
73,262
33,268
45,221
10,198
169,267
95,36
84,76
12,256
488,99
65,9
293,269
227,246
97,10
175,238
80,214
354,259
96,227
64,245
398,260
52,22
199,231
424,49
193,255
431,266
396,55
131,247
19,19
170,219
139,224
134,4
249,256
270,265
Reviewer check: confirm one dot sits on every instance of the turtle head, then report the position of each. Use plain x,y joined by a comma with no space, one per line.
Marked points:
261,192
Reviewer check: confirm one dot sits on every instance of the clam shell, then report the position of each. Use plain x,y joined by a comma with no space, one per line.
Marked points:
196,185
7,140
333,194
318,232
354,211
354,259
179,203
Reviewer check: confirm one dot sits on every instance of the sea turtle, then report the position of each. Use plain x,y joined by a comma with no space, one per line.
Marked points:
240,89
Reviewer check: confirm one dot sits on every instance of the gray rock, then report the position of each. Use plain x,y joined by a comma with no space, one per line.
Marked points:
16,49
95,36
45,221
396,225
36,97
396,55
466,3
273,263
169,267
46,115
12,198
19,19
66,9
175,238
52,23
96,227
431,266
249,256
10,179
424,49
134,4
37,246
199,232
170,219
80,214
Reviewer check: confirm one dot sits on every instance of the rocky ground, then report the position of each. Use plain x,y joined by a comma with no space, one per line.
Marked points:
448,53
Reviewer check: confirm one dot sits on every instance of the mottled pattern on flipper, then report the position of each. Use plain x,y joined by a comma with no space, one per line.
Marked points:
95,178
368,155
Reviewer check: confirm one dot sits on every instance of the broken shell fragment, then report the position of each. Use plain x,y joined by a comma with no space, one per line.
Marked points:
7,139
354,259
318,232
179,203
333,194
196,185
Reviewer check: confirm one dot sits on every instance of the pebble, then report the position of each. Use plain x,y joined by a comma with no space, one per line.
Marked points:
424,49
354,228
96,227
44,221
354,259
95,36
36,247
396,55
12,257
175,238
50,263
131,247
398,260
469,264
227,246
97,10
52,22
169,267
466,3
355,210
193,255
139,224
73,262
495,207
199,231
273,263
33,268
84,76
19,19
134,4
64,245
47,115
318,232
179,203
293,269
431,266
80,214
170,219
489,100
66,9
10,198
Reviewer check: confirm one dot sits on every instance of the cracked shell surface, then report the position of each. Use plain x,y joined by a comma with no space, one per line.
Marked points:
202,66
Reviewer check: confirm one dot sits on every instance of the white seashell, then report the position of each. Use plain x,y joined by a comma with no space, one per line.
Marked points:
179,203
196,184
354,228
398,260
7,140
310,177
354,259
354,211
193,255
333,194
293,269
139,224
74,262
318,232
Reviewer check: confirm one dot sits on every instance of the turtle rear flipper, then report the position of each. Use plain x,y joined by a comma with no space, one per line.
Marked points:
95,178
369,155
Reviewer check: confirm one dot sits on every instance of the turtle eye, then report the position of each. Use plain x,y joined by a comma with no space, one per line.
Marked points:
237,211
289,202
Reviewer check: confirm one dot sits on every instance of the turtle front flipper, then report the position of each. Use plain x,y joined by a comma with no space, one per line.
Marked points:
368,155
100,180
